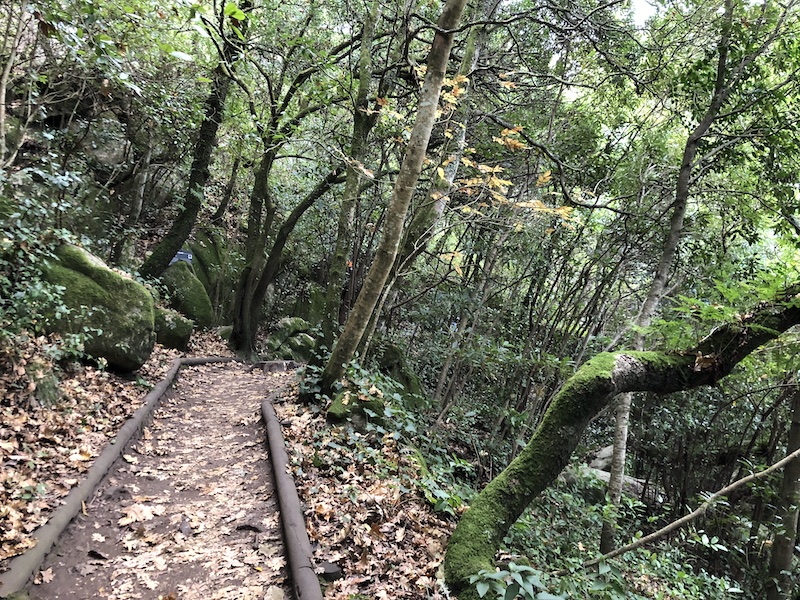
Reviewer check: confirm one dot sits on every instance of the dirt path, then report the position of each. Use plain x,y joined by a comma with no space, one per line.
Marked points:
189,513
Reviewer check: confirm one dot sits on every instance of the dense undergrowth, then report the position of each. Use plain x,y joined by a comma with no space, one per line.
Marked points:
545,551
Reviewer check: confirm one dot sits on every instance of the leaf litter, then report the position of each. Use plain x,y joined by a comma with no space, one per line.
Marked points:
189,512
363,512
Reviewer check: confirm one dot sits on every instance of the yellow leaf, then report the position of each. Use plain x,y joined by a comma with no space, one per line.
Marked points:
454,258
497,183
499,198
440,172
544,178
564,212
515,144
535,205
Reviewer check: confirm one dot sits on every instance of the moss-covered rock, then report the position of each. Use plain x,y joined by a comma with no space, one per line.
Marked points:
173,330
187,294
292,340
216,266
349,404
392,362
115,310
302,347
208,257
290,326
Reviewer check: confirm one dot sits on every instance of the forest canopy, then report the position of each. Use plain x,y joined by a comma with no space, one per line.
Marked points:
490,207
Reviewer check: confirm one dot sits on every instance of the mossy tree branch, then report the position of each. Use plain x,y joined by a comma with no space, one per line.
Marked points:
478,535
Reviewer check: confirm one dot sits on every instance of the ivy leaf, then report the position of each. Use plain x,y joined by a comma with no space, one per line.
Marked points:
182,55
231,10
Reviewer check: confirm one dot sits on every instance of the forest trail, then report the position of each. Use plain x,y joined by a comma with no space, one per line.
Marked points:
189,511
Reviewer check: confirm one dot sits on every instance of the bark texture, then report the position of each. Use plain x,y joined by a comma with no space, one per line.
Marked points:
363,122
722,90
181,228
779,584
260,273
478,535
404,187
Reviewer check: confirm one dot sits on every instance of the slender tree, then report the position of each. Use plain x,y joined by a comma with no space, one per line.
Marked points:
731,75
779,584
346,345
480,531
363,121
181,229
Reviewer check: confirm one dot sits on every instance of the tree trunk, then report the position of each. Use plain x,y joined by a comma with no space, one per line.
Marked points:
659,283
256,280
11,52
363,123
779,584
228,194
480,532
403,190
424,220
135,210
182,227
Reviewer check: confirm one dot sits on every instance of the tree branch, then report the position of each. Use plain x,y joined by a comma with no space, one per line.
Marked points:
699,511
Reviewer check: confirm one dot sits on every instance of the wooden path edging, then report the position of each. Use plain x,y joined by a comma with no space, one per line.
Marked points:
298,549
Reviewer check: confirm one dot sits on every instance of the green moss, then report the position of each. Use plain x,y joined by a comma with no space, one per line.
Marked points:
302,347
104,301
187,294
474,543
206,260
393,363
290,326
476,540
173,330
346,404
338,410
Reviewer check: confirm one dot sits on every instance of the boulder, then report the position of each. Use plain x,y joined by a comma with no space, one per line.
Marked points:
113,310
360,407
392,362
289,327
292,339
301,347
173,330
187,294
602,459
216,266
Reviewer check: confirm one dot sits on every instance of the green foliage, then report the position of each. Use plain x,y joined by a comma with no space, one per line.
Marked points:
559,533
27,239
515,581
